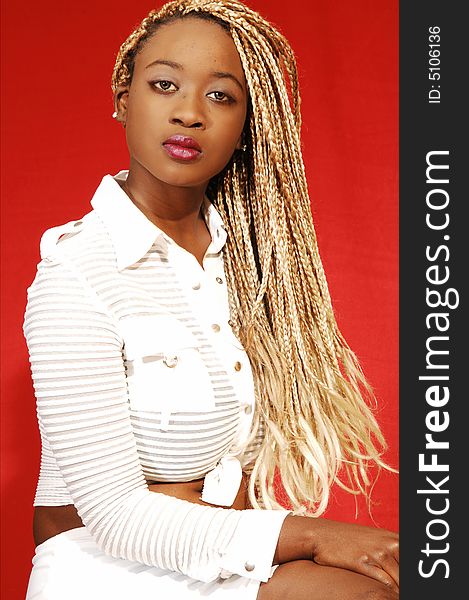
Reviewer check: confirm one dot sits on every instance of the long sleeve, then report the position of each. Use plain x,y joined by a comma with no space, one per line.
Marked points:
80,384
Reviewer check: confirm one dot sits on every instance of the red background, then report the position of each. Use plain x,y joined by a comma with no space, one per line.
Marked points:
58,140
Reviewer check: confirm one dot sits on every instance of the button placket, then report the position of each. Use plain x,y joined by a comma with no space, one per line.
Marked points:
208,293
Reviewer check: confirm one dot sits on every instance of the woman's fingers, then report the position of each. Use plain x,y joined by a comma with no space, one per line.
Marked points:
384,567
391,566
389,560
378,573
394,548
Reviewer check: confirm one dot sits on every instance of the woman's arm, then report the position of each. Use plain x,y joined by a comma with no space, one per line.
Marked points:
79,379
365,550
49,521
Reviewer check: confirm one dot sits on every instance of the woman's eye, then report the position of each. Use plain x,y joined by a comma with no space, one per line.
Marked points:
221,96
163,85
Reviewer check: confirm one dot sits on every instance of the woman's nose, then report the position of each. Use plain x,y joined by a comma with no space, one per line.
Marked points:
188,112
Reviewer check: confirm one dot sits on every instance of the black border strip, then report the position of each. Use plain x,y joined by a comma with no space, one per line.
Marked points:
433,272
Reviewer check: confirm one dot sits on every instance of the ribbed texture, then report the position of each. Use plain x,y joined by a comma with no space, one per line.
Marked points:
96,449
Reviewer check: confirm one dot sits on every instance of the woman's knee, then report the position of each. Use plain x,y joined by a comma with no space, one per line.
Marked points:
305,580
379,592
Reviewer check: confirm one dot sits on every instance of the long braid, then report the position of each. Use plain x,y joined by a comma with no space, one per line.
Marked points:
311,396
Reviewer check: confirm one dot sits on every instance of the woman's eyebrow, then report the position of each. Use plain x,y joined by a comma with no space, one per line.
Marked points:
226,75
179,67
168,63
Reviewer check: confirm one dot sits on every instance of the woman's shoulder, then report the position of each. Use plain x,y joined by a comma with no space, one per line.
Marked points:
56,239
72,250
70,254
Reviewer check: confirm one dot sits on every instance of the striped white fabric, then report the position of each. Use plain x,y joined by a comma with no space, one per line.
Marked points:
138,377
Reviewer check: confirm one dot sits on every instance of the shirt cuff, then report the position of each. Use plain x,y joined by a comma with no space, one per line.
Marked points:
251,550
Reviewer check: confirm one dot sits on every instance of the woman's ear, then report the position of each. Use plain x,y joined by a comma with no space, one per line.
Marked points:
121,96
241,143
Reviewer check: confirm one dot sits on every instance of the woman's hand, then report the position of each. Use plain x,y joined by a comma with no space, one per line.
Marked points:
365,550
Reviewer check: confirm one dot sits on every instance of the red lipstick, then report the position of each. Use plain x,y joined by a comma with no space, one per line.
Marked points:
182,147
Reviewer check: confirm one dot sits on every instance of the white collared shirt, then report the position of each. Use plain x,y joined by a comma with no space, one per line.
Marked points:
138,376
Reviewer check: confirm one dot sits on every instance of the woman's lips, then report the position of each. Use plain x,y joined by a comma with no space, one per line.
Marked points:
182,147
180,152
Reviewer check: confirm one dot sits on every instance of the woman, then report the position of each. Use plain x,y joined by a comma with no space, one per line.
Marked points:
184,348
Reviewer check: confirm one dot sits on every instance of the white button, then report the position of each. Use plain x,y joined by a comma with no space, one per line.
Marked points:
249,566
216,328
196,286
219,280
170,361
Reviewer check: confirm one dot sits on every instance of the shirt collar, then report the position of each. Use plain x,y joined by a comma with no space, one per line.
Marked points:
132,233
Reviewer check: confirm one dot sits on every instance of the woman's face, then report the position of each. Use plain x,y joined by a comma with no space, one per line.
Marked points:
188,81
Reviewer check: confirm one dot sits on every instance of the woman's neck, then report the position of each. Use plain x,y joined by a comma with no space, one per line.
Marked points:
175,210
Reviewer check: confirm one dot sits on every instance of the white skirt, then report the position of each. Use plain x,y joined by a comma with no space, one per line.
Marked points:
70,566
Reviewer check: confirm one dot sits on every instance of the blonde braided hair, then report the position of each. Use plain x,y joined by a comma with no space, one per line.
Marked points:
310,390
